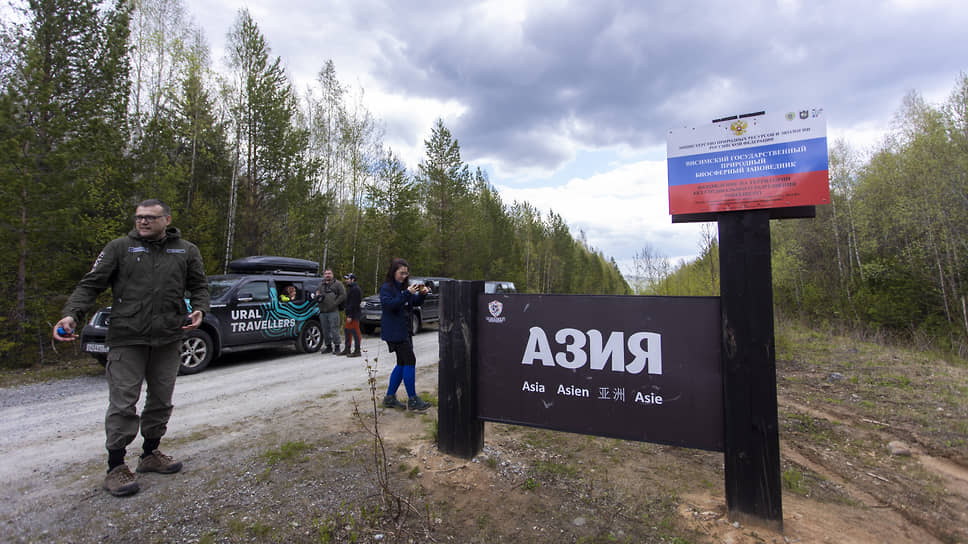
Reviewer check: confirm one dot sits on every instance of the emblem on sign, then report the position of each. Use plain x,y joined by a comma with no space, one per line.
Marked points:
739,127
495,307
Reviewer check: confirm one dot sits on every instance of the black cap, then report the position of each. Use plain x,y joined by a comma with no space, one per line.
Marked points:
350,276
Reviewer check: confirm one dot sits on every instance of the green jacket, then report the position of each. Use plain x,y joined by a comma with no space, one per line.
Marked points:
149,281
329,296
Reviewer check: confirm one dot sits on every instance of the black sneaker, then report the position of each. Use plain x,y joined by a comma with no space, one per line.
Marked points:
329,349
390,401
417,404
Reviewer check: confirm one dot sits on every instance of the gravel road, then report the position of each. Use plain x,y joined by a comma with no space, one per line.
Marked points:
48,431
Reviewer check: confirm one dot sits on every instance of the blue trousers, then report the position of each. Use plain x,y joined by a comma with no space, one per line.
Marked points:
404,371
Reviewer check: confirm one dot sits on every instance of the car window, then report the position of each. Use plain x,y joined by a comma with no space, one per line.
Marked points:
259,290
298,296
218,287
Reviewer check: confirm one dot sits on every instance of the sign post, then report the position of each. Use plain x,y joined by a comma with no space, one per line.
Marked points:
751,433
696,372
459,431
742,171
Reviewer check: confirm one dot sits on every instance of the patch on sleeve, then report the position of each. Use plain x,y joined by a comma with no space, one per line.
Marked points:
174,251
100,257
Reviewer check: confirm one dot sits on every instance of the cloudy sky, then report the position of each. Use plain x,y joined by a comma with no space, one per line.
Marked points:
567,104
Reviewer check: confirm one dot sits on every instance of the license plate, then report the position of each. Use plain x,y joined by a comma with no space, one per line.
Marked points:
96,348
373,316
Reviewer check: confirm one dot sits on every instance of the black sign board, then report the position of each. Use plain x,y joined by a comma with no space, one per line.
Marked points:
635,368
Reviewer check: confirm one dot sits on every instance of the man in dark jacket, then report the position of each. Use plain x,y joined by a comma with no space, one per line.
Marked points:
352,327
148,271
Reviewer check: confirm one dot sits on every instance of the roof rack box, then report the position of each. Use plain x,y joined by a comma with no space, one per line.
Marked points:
268,264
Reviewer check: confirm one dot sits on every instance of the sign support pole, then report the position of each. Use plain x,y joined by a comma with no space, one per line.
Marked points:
459,431
751,430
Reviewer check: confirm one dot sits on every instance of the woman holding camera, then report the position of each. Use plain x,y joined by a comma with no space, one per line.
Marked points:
398,298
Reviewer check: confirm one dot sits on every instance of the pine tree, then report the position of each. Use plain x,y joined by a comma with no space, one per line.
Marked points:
444,178
270,145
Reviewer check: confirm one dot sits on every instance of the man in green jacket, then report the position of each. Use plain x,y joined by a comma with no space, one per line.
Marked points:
330,295
149,271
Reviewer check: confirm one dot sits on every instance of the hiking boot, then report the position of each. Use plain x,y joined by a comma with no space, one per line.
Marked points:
355,353
390,401
329,349
159,462
416,403
342,352
120,481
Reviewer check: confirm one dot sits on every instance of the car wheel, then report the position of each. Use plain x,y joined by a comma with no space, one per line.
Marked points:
415,324
311,337
102,358
196,352
368,329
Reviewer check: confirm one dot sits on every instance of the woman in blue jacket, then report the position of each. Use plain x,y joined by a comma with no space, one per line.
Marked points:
398,299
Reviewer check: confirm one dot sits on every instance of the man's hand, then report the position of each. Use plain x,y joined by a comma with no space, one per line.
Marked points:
349,320
68,325
196,317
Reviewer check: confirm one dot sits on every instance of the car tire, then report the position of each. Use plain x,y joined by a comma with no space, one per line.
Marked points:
368,329
310,338
196,352
102,358
415,324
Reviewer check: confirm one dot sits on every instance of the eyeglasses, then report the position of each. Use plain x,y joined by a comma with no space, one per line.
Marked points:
147,218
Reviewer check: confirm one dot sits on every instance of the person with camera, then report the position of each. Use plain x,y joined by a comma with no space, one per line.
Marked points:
398,298
330,295
149,272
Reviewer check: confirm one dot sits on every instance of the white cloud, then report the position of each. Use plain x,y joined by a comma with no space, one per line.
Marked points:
619,210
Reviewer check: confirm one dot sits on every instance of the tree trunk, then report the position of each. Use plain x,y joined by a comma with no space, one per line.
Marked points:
233,190
941,283
21,288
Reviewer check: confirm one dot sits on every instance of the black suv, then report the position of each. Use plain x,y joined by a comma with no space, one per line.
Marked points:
248,311
428,312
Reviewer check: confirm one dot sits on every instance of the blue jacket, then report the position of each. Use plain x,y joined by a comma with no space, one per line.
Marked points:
398,304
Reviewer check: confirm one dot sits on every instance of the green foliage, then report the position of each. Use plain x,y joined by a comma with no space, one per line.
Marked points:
62,138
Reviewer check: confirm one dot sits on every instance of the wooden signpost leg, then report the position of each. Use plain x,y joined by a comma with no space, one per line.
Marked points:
459,431
752,444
